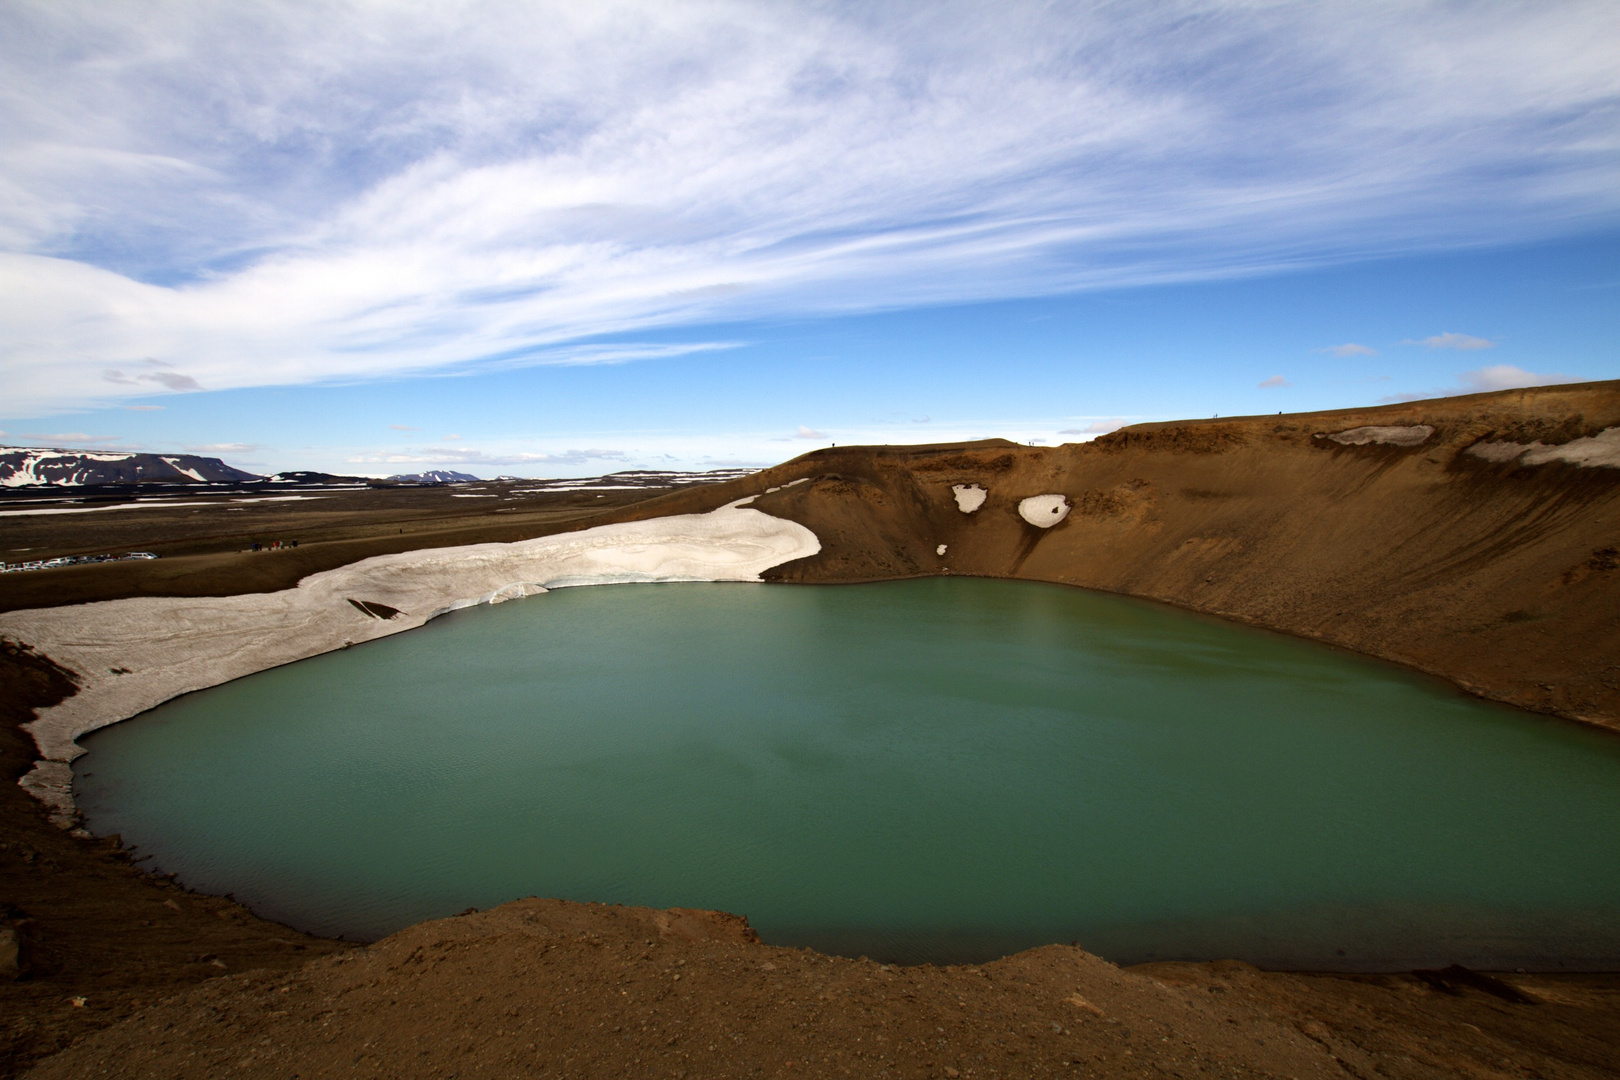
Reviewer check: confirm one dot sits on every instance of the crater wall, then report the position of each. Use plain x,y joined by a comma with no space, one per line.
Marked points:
1499,571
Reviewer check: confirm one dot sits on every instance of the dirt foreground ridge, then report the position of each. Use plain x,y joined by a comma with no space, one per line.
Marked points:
1477,538
547,988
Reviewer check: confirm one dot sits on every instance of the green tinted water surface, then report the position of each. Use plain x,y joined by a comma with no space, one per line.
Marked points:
940,769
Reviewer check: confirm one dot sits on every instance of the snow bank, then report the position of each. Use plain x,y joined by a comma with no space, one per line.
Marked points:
1404,435
98,509
174,463
969,497
284,498
167,646
1597,451
1044,511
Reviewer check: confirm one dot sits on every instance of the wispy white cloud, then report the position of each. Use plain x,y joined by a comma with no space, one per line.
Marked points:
402,427
169,380
1507,377
1097,427
144,408
77,440
1349,348
809,433
1276,382
1465,342
225,196
223,448
455,455
1485,379
622,352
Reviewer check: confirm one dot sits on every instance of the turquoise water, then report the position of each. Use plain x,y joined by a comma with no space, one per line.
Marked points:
943,769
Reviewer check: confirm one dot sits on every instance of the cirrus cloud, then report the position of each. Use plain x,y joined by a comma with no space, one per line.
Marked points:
1465,342
1508,377
1487,379
226,196
222,448
456,455
1097,427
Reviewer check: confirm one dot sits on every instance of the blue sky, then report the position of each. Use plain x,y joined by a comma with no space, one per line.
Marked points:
543,240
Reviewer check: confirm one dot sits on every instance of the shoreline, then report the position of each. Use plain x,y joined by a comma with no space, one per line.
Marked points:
1551,964
1453,682
123,669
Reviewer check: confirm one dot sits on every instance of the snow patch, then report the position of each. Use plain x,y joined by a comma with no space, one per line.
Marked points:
98,509
174,463
1402,435
1595,451
969,497
1044,511
1500,451
941,549
174,645
278,498
581,486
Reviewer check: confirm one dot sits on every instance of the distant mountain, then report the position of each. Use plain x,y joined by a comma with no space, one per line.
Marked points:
435,476
638,478
304,476
28,466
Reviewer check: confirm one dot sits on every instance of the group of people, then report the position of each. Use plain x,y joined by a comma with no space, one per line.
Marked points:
273,545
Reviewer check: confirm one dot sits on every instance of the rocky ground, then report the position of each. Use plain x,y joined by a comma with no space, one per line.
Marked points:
546,988
1496,573
87,938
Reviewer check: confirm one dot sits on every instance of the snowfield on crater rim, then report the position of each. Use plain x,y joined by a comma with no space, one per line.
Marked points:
969,497
1395,435
1593,451
1043,511
168,646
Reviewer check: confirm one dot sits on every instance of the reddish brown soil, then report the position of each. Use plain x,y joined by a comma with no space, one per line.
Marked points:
89,925
546,988
1502,579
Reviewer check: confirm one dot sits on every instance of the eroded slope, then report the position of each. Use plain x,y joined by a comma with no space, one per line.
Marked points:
1500,575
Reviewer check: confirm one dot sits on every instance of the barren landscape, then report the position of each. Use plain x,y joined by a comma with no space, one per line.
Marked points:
1473,537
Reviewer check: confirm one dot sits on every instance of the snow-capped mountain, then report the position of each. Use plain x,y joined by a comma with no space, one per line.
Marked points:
29,466
435,476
